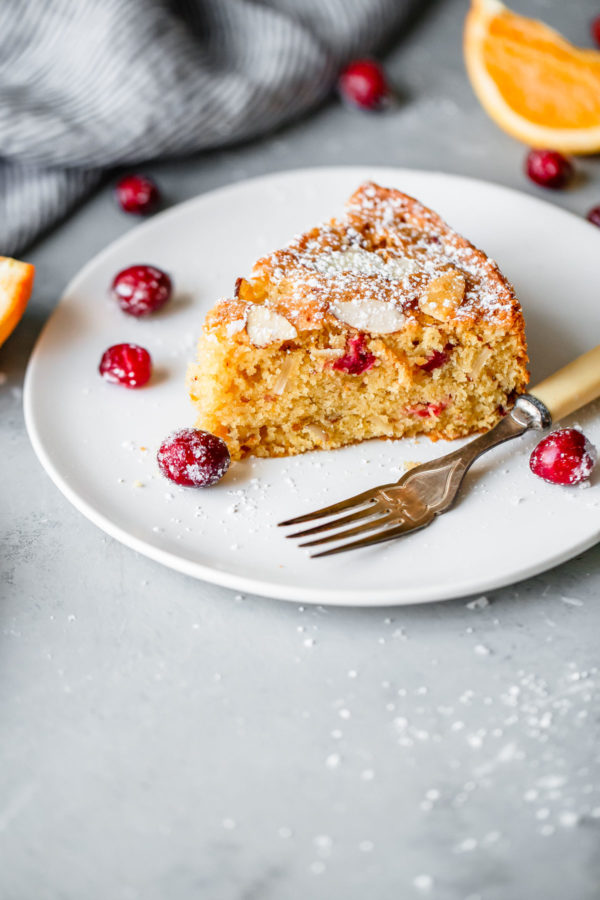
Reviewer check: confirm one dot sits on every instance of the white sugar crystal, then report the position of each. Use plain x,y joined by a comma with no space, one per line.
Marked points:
423,882
568,819
480,603
572,601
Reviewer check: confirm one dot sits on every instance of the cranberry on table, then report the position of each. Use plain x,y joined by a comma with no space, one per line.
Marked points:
141,290
126,364
595,29
594,216
566,456
137,194
363,83
193,458
549,168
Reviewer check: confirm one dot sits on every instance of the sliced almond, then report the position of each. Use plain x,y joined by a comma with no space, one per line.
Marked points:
264,326
316,432
328,353
290,363
481,357
443,295
376,316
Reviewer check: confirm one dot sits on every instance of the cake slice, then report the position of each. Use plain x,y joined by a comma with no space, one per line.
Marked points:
382,323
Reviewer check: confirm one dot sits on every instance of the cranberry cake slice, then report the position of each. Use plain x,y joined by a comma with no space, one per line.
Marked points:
382,323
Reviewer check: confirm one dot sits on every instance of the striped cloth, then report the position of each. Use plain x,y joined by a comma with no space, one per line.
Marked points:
86,85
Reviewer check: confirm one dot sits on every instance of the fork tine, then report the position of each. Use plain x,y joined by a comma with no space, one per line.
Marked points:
371,510
350,532
349,503
379,537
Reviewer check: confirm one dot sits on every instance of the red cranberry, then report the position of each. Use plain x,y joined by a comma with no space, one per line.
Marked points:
595,28
548,168
137,194
564,457
594,216
363,83
426,410
193,458
357,358
141,290
126,364
437,359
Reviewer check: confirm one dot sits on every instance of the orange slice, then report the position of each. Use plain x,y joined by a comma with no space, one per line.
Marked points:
16,282
533,83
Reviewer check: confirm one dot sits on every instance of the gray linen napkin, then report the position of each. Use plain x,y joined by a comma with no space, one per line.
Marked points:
90,84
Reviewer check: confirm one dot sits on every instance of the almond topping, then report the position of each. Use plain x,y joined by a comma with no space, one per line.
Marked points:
444,295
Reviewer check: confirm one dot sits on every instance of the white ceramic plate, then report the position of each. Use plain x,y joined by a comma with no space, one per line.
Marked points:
98,441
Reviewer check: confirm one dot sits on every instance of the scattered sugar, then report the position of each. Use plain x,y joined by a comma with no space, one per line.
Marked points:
423,882
480,603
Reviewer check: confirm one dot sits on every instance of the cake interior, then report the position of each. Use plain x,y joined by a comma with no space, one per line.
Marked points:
289,398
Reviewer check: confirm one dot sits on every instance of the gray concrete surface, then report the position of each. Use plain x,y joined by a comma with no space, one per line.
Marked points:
164,738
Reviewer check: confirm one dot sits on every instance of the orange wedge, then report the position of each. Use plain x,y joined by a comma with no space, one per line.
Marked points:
16,282
533,83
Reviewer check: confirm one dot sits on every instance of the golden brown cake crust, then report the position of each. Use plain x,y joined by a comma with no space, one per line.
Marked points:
302,280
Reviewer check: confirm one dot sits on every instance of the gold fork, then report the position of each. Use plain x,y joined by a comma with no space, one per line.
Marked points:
392,510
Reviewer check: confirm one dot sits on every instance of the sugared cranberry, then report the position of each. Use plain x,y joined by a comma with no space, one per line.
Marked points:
548,168
357,359
137,194
594,216
126,364
363,83
564,457
193,458
437,359
141,290
595,28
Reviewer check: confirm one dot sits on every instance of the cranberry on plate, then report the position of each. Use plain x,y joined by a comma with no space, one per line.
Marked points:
565,456
137,194
193,458
126,364
363,83
141,290
548,168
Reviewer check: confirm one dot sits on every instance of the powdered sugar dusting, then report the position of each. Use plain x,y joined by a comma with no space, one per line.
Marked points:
387,249
357,261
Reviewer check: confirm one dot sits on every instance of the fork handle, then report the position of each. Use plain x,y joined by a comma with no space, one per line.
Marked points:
572,387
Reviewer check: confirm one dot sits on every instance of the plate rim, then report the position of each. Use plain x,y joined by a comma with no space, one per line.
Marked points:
382,597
